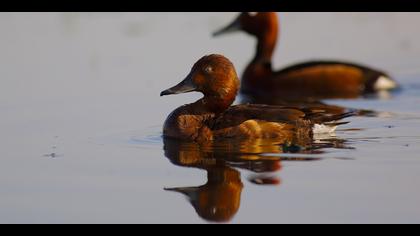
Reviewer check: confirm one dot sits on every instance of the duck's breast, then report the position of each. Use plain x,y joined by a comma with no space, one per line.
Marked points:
185,124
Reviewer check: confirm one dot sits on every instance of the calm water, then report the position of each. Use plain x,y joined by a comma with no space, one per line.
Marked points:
81,122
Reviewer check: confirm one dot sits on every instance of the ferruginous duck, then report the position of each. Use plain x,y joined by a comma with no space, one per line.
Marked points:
313,79
213,118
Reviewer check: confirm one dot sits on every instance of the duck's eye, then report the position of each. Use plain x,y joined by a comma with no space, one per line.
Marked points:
208,69
252,14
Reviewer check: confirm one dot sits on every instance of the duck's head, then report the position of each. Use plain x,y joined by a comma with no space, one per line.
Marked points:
214,76
254,23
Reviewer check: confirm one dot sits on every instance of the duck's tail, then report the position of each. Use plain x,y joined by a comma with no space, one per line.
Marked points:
384,82
328,123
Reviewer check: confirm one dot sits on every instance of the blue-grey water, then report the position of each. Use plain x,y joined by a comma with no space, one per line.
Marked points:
81,122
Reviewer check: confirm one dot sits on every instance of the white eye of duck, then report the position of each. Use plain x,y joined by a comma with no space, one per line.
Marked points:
252,14
208,69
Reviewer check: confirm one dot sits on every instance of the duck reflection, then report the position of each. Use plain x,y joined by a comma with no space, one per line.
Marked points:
218,200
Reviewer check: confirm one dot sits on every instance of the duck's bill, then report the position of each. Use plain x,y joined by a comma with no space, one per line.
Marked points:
189,191
184,87
232,27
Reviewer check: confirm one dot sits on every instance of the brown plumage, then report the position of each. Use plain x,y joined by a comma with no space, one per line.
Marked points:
309,80
219,199
212,117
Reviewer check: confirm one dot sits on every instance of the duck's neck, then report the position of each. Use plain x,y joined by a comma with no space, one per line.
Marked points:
266,44
260,67
216,104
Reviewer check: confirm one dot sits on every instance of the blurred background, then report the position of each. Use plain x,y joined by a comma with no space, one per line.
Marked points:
81,117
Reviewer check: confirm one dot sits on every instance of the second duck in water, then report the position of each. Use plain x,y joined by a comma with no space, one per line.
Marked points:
314,79
212,117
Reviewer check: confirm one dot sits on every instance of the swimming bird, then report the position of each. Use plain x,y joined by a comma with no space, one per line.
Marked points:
213,118
308,80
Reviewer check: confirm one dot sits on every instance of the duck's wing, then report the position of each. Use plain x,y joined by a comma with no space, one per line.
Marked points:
335,72
326,64
238,114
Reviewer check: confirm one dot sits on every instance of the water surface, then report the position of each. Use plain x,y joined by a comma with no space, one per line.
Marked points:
81,124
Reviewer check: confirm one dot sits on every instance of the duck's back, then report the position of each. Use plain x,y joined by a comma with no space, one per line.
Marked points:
265,121
320,79
366,77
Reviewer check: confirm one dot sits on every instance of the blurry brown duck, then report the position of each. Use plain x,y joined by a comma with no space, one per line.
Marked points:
213,117
314,79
